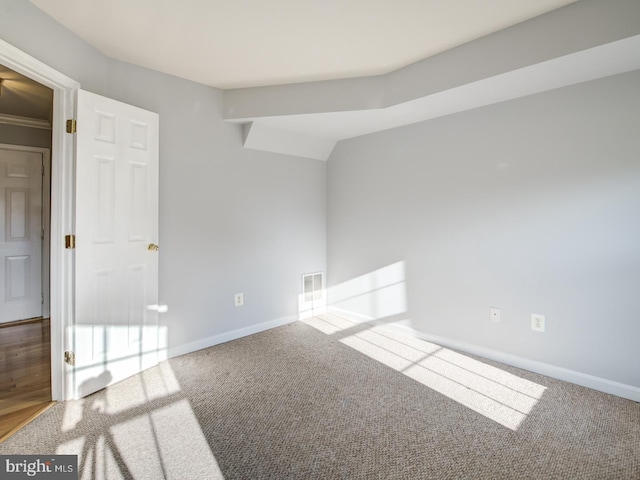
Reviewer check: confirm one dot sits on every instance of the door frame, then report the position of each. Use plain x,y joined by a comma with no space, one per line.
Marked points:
62,205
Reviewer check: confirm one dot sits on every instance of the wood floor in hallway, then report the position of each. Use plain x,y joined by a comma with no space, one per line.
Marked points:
25,373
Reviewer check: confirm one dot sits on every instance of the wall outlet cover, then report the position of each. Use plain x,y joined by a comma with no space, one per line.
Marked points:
494,314
537,322
239,299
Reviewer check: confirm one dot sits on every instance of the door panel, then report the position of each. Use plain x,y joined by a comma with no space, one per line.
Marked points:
116,326
20,234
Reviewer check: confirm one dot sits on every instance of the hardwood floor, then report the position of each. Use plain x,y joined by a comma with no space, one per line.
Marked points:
25,373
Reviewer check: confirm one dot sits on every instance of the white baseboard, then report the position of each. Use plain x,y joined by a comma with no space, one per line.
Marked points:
311,312
596,383
228,336
354,317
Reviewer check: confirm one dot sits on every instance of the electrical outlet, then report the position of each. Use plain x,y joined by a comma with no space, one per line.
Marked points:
537,322
494,314
239,298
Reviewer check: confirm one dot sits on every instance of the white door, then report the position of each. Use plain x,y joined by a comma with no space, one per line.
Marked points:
20,234
116,332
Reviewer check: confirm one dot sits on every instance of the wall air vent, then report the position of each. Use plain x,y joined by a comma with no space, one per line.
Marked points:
312,287
312,299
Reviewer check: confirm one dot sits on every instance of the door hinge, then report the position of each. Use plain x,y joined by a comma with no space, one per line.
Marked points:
71,126
69,242
70,358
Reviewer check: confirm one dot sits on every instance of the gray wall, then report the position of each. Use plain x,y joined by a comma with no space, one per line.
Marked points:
32,137
532,206
231,220
573,28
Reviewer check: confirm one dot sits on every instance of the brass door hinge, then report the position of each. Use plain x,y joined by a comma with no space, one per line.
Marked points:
70,242
70,358
71,126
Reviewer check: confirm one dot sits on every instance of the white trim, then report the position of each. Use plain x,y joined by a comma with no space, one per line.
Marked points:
24,121
312,312
596,383
62,198
354,317
228,336
46,229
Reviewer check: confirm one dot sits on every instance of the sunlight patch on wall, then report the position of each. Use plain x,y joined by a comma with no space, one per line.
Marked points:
378,294
498,395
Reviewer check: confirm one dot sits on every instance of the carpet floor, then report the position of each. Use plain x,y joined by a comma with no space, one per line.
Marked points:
330,399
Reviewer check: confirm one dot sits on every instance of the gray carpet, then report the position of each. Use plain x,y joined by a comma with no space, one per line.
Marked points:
329,399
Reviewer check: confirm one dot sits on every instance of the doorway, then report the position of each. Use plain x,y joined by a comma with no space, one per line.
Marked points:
142,139
62,197
26,109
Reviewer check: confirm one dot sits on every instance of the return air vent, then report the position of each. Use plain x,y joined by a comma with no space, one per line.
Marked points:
312,287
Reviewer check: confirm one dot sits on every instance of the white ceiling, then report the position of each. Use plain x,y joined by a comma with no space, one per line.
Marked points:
315,135
242,43
258,43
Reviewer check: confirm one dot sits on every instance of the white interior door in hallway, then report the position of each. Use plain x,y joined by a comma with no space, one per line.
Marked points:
21,233
116,332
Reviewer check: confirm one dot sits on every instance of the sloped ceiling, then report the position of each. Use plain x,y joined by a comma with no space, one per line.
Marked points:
301,75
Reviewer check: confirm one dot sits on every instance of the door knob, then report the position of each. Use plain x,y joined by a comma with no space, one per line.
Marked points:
153,247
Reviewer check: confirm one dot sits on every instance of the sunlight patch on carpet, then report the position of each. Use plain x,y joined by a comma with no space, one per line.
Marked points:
496,394
142,427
